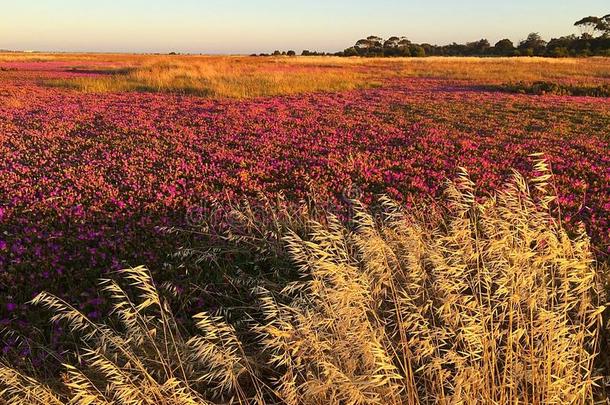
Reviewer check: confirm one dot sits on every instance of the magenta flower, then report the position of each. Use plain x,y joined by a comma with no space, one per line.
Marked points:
87,178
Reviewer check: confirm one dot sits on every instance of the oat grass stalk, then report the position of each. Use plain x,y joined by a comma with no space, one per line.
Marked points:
495,304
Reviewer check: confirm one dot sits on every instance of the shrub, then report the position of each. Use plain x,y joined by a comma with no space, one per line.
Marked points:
417,51
544,87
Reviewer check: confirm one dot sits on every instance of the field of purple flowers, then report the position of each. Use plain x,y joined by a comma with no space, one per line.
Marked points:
87,180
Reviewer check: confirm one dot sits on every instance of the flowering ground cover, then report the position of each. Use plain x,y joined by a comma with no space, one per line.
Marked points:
87,179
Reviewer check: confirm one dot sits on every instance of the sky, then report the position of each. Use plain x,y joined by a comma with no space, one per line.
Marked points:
248,26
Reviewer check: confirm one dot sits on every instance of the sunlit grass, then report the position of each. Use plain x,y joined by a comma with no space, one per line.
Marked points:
496,70
246,77
482,70
222,78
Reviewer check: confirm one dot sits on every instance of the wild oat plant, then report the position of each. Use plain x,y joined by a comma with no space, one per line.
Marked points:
491,302
147,362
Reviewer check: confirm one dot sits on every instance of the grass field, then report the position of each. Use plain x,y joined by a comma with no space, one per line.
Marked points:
305,203
246,77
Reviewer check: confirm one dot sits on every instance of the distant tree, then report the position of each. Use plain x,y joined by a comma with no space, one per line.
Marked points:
584,45
532,45
291,53
370,46
480,47
351,51
362,44
417,51
277,53
375,41
605,25
390,46
429,49
404,42
586,36
590,25
391,43
454,49
504,47
312,53
563,46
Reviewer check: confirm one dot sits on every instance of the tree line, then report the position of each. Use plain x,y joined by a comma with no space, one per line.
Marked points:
594,40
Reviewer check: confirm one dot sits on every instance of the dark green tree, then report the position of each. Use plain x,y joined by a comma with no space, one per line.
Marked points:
590,25
480,47
417,51
532,45
504,47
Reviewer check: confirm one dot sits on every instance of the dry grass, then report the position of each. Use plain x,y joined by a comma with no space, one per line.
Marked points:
497,306
480,70
501,70
148,362
222,78
493,304
245,77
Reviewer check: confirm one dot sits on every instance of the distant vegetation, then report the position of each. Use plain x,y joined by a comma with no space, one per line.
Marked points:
540,88
593,41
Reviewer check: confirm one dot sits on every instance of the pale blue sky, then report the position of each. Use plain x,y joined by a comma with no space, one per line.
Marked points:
240,26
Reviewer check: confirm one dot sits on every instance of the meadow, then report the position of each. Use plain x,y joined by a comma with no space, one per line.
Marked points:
228,177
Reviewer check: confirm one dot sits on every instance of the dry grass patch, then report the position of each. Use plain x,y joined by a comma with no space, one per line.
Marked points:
500,70
244,77
223,77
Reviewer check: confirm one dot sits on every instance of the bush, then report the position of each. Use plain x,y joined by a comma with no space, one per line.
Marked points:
560,52
417,51
542,88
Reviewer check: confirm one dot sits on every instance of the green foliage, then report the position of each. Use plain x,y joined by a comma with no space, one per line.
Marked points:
533,45
417,51
591,24
545,87
504,47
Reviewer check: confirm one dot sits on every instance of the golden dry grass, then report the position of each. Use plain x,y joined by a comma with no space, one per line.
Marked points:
482,70
494,303
244,77
497,306
227,77
501,70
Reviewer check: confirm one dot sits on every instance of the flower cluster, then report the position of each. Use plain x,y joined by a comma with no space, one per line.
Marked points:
87,179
